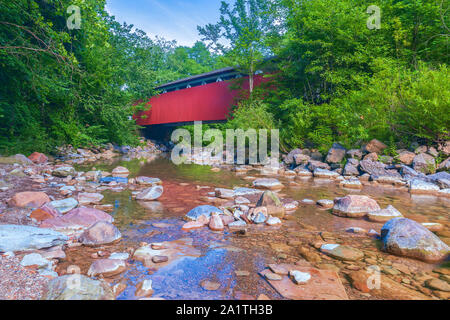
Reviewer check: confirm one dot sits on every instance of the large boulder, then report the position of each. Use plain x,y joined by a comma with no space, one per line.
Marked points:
77,219
206,211
29,199
23,238
354,206
101,232
151,193
375,146
336,154
442,179
424,163
290,158
405,237
78,287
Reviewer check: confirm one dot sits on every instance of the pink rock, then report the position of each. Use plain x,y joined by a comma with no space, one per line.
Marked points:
216,223
227,220
38,158
50,210
192,225
354,206
80,218
29,199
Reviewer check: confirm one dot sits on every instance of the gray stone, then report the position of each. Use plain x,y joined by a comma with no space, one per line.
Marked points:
424,163
442,179
268,183
23,238
336,154
384,215
351,168
147,181
63,172
355,154
205,210
324,173
354,206
408,238
418,186
78,287
150,194
64,205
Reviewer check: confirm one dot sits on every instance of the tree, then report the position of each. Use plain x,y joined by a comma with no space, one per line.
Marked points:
244,26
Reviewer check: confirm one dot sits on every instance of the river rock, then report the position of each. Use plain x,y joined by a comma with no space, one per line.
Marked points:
444,165
325,174
89,198
18,158
336,154
101,232
144,289
406,157
216,223
424,163
120,172
289,159
419,186
355,154
378,171
78,287
210,285
23,238
150,194
351,168
107,267
384,215
35,259
64,205
273,221
437,284
76,219
224,193
29,199
299,277
342,252
38,158
147,181
354,206
408,238
273,204
63,172
325,203
352,183
442,179
268,183
205,210
314,164
386,288
375,146
246,191
301,159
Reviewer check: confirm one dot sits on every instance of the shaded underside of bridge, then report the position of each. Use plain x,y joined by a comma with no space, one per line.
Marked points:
208,97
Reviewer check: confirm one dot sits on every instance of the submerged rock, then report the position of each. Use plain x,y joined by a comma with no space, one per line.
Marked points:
384,215
216,223
354,206
23,238
150,194
101,232
342,252
146,181
144,288
107,267
408,238
80,218
89,198
78,287
205,210
268,183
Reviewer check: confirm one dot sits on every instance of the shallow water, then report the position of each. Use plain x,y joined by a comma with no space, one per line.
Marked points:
223,253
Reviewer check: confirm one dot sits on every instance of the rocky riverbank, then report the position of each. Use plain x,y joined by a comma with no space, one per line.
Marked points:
52,214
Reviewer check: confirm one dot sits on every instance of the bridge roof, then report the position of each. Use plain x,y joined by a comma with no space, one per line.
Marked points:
215,73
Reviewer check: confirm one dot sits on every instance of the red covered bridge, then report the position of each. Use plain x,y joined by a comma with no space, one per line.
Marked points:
206,97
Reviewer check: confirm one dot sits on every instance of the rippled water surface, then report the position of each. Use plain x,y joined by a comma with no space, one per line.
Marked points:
221,254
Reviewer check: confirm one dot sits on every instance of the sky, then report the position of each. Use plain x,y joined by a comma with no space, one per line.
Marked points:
170,19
